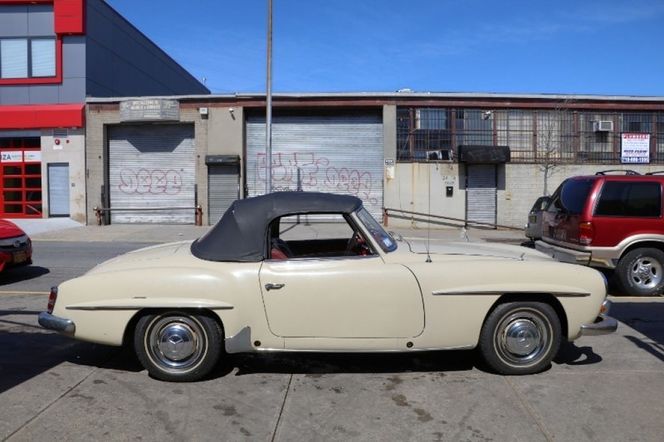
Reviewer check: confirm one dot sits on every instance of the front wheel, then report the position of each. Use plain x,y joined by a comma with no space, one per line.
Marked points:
520,337
178,346
641,272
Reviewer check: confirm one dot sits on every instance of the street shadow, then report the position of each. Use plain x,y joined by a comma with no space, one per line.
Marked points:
30,354
645,317
657,350
571,354
332,363
18,274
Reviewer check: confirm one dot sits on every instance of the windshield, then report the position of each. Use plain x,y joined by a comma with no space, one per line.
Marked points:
376,230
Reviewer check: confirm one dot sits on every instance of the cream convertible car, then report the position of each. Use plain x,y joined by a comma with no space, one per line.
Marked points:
270,276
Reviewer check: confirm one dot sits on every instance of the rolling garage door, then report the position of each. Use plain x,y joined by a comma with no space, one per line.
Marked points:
152,167
223,189
335,154
481,193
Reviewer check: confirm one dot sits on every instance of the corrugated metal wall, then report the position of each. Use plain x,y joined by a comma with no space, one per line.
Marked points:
223,189
152,166
335,154
481,193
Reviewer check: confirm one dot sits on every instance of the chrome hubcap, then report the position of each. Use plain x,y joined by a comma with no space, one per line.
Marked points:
646,272
523,337
176,343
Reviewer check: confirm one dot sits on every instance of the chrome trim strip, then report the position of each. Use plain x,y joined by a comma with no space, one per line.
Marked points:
495,293
139,307
396,350
60,325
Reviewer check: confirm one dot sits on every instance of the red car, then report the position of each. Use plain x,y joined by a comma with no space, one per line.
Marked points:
612,222
15,246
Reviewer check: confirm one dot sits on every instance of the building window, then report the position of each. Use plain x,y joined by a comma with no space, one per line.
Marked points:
27,57
423,134
43,57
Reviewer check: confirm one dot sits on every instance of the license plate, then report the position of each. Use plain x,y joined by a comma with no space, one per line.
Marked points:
20,257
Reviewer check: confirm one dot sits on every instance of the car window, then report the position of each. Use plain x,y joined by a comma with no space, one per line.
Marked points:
316,236
630,199
571,196
379,234
541,204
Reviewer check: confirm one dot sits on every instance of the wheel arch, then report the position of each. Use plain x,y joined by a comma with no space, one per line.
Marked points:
128,334
545,298
642,244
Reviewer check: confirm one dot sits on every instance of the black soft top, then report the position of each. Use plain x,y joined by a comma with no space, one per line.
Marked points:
241,234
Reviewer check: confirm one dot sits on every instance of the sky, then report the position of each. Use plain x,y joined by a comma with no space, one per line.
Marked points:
608,47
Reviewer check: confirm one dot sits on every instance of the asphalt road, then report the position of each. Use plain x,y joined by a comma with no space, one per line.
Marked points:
56,261
601,388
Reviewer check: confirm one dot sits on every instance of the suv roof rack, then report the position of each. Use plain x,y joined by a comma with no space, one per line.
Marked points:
657,172
626,172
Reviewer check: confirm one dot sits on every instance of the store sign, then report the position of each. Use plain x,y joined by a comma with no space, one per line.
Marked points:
150,110
11,156
32,156
635,148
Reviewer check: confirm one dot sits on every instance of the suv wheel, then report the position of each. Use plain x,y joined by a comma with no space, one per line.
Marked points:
641,272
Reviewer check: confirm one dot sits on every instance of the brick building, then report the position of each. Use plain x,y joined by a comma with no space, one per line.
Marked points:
54,54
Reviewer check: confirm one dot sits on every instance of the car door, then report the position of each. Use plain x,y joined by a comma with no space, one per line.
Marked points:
341,297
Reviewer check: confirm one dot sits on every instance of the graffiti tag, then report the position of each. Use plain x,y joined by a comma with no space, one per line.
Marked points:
155,181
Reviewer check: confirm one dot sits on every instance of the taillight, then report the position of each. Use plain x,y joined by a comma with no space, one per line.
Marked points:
52,297
586,233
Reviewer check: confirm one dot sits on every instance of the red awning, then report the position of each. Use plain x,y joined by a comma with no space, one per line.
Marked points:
42,116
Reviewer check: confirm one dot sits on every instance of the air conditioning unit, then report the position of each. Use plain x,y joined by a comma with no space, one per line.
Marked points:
603,126
440,155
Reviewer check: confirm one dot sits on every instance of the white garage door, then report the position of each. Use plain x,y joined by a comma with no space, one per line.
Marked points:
334,154
152,167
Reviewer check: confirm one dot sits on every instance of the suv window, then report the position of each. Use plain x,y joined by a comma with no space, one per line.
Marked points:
642,199
571,196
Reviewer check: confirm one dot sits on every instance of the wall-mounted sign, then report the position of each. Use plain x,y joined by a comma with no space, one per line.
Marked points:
635,148
155,109
31,156
11,156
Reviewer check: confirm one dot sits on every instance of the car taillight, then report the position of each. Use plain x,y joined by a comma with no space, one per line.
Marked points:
52,297
586,233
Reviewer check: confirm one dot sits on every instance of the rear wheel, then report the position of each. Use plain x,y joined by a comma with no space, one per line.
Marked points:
178,346
641,272
520,337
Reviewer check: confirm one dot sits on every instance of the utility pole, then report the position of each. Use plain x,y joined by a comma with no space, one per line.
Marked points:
268,102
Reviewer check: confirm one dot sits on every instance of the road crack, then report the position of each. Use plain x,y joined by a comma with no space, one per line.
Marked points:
530,410
281,411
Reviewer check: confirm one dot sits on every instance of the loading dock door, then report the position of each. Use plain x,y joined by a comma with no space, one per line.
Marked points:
152,167
223,189
481,193
323,153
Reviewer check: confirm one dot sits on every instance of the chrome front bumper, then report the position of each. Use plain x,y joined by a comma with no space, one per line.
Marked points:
603,325
60,325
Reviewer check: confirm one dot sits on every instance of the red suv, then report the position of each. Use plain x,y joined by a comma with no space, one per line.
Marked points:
612,222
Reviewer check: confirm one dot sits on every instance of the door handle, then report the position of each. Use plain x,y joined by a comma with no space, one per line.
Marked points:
270,286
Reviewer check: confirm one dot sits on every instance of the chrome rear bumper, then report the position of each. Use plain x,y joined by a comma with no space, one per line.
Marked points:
60,325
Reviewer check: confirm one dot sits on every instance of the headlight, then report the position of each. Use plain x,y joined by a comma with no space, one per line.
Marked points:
11,242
